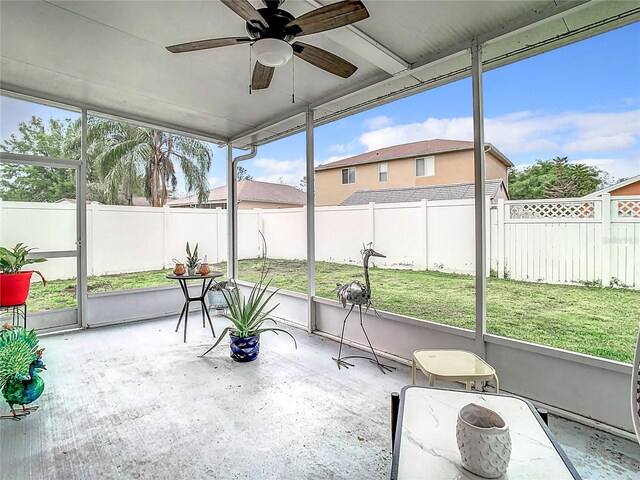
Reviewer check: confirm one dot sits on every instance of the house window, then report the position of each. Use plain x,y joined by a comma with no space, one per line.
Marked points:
348,175
382,172
425,167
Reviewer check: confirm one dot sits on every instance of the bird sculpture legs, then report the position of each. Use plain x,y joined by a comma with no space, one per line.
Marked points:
17,415
340,360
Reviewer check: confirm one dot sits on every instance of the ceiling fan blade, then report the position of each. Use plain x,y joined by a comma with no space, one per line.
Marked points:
246,11
327,61
261,77
204,44
327,18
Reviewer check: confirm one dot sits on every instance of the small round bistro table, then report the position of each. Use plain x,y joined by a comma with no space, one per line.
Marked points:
207,280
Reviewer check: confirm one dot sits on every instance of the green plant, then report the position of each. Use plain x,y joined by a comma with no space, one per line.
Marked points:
249,314
12,260
192,259
617,283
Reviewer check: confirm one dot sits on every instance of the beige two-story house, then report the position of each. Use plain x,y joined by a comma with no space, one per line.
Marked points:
430,162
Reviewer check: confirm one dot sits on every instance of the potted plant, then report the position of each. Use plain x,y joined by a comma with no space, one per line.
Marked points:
248,316
192,260
14,283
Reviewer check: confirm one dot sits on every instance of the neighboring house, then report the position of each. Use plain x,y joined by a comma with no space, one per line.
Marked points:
494,189
430,162
630,186
251,194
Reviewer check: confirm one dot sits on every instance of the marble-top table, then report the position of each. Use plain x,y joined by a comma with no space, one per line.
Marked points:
425,445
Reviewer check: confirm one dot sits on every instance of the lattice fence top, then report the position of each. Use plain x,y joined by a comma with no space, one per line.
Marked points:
553,210
628,208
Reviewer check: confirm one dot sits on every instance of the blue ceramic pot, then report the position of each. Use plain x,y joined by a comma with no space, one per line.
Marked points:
244,349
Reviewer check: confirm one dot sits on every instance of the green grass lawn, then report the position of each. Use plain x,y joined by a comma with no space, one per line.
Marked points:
597,321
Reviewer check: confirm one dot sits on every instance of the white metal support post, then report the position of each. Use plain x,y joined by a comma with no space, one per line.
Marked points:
81,223
311,226
480,200
232,216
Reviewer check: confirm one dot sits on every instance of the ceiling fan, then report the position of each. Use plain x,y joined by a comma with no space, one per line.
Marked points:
271,31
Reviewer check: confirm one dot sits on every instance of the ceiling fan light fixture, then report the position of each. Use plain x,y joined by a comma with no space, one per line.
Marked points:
272,52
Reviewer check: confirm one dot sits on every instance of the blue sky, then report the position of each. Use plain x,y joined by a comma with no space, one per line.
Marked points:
581,101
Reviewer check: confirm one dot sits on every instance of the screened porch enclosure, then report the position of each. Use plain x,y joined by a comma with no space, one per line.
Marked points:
108,59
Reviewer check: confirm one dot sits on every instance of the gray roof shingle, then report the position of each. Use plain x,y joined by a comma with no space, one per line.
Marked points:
454,191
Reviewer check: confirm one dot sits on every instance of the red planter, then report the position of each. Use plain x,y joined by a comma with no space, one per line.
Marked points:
14,287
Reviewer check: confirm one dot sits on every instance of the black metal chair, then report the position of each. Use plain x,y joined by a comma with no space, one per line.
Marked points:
395,408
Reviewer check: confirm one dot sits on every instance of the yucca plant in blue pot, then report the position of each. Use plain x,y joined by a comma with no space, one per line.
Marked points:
248,315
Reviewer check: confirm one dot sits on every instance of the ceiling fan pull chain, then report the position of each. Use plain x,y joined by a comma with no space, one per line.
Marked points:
293,82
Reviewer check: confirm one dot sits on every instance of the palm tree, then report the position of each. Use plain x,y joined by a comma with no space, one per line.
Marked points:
136,157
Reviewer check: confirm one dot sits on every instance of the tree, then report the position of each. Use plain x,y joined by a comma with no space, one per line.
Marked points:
54,139
242,174
134,156
556,178
303,184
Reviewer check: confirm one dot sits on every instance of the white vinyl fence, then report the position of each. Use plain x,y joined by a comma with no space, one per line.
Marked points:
558,241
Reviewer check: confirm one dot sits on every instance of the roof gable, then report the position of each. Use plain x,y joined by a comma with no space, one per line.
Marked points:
616,186
408,150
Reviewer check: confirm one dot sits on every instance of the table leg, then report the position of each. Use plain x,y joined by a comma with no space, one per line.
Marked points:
413,372
497,383
181,314
468,385
432,380
206,310
186,317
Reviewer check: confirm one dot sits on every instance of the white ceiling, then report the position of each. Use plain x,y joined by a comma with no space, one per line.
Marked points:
109,56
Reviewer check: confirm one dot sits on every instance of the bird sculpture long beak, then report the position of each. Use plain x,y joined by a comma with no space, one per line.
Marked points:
376,254
44,367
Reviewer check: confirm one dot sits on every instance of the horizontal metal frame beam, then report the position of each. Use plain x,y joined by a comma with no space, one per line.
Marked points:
55,254
8,157
52,100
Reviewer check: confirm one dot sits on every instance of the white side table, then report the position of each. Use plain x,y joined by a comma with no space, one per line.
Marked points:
452,366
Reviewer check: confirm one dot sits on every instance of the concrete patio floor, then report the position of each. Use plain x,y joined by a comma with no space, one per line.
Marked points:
134,401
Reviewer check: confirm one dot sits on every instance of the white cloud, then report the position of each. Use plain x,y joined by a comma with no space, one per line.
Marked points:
215,182
286,178
379,121
601,144
278,166
523,132
277,171
450,128
618,167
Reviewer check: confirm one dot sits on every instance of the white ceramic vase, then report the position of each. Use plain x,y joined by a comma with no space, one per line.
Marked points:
484,441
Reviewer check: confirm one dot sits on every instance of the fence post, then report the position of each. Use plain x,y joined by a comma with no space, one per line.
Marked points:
372,219
92,251
165,230
424,233
260,229
217,237
500,239
606,239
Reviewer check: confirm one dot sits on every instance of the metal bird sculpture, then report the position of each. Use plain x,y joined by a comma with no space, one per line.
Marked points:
20,362
358,293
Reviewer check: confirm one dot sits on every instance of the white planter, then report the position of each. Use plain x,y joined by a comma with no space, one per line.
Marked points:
484,441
